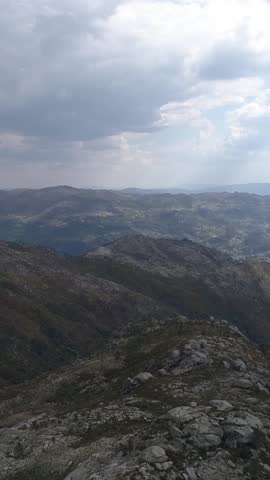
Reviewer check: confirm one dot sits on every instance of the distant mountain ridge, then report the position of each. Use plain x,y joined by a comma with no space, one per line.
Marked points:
252,188
75,221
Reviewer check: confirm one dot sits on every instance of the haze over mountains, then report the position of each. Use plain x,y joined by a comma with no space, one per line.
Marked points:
255,188
76,220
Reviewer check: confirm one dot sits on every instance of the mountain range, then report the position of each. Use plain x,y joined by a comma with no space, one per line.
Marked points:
252,188
75,221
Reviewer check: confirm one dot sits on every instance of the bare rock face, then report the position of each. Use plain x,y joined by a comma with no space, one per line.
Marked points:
201,430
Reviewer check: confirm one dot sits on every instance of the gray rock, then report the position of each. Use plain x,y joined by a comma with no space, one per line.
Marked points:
226,365
240,430
191,473
244,383
266,469
221,405
253,421
182,415
162,372
154,454
204,433
175,355
239,365
174,431
237,436
167,466
195,359
143,377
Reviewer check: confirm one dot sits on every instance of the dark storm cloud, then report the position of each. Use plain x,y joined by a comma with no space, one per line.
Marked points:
63,78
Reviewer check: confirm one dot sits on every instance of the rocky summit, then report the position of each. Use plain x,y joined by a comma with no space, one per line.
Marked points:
189,400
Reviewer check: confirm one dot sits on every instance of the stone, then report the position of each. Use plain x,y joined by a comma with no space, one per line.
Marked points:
162,372
154,455
226,365
143,377
238,436
239,365
244,383
204,433
182,415
167,466
175,355
239,431
221,405
266,469
253,421
191,473
144,473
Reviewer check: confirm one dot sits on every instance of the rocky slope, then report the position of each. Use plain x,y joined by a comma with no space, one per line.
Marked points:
75,220
188,400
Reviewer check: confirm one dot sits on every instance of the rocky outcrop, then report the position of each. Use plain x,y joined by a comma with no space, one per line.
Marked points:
173,422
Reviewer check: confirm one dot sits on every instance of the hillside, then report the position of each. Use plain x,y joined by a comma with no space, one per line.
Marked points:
51,312
193,279
56,309
75,220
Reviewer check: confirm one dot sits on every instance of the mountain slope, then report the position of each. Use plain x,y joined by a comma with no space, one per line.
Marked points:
184,402
195,280
51,312
55,309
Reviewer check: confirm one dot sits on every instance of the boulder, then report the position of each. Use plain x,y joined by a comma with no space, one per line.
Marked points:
238,436
239,365
204,433
143,377
253,421
154,454
244,383
240,430
175,355
182,415
221,405
162,372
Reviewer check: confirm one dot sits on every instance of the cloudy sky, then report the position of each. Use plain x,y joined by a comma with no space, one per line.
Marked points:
134,92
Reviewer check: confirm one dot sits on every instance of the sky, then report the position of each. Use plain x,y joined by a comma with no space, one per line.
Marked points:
143,93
